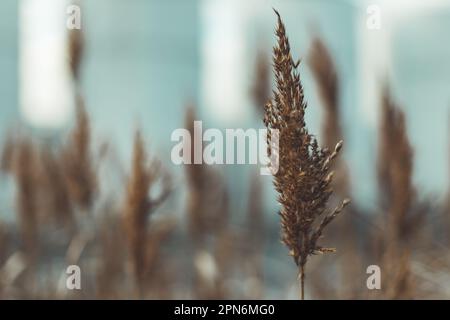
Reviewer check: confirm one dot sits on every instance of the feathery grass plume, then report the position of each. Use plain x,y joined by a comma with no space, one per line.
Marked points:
395,165
76,157
145,175
77,161
75,44
262,83
304,177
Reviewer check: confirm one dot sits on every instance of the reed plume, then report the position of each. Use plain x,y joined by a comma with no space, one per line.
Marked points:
77,161
395,167
76,157
75,49
145,176
303,180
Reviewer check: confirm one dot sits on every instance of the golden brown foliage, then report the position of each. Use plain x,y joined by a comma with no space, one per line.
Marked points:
304,176
77,162
395,165
145,176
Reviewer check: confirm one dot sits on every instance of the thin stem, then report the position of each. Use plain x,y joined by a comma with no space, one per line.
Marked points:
302,282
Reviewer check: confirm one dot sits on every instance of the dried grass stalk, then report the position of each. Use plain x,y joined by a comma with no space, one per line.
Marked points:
395,167
77,161
144,176
304,177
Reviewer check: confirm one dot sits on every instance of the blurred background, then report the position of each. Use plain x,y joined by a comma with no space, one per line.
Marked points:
151,64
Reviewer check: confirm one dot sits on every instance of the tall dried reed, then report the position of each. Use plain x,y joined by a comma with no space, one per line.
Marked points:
304,177
139,205
77,161
397,195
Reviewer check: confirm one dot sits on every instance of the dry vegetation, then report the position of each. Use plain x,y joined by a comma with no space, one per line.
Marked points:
304,176
135,245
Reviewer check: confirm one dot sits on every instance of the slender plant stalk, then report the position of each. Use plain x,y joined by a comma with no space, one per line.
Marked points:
395,165
304,178
139,205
